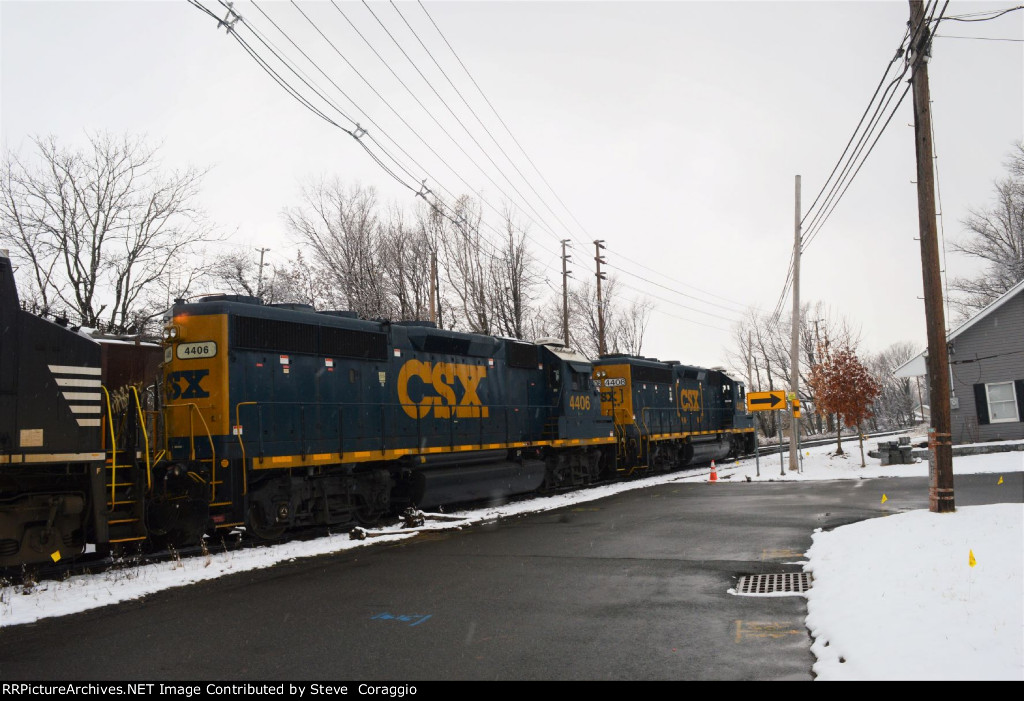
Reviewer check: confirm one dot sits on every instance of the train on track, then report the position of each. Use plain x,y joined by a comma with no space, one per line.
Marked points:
274,417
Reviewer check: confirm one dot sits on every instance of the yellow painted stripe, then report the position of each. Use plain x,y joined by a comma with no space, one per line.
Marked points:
289,461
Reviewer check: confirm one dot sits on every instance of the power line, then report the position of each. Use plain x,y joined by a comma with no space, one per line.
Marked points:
847,173
976,16
304,90
537,170
950,36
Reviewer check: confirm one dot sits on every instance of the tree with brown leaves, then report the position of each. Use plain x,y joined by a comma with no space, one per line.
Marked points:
844,387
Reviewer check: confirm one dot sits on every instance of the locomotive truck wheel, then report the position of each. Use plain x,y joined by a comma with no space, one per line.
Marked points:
367,515
256,523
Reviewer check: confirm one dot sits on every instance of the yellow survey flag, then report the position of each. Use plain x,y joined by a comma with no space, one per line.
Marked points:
970,559
884,498
1000,480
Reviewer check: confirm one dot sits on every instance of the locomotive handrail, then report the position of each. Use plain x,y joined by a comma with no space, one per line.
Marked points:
113,449
192,443
145,438
241,444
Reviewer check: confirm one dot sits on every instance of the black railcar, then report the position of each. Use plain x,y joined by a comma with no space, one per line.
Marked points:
51,446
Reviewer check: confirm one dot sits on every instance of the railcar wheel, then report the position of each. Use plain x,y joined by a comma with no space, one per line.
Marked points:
257,524
366,515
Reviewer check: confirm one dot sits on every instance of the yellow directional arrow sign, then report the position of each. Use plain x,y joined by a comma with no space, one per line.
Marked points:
764,401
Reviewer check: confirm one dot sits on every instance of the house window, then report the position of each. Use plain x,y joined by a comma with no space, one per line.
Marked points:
1002,402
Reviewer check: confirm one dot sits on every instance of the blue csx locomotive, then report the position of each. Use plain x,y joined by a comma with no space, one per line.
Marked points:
274,417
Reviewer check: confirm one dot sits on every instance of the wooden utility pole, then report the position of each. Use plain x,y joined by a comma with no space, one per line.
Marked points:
259,275
598,245
565,293
940,466
794,345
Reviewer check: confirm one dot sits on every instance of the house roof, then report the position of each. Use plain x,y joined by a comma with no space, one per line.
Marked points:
917,365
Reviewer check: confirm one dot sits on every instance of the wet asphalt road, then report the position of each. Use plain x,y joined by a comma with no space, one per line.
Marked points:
631,587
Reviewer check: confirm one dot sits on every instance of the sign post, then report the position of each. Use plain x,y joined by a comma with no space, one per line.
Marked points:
796,417
768,401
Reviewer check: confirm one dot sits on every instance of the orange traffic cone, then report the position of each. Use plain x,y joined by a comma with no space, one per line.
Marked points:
714,473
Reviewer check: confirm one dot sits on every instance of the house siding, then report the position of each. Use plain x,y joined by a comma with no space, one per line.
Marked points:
992,350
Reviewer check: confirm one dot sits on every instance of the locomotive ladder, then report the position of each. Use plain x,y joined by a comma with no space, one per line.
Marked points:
126,469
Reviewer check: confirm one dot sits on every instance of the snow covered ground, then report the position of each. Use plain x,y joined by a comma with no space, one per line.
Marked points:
944,599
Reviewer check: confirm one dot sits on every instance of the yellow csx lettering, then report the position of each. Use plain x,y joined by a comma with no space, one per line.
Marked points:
441,378
689,399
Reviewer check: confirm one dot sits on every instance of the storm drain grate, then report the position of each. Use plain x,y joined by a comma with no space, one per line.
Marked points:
773,584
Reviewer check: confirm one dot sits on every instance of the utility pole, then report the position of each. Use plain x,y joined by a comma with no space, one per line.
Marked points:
598,245
565,293
794,345
940,466
259,275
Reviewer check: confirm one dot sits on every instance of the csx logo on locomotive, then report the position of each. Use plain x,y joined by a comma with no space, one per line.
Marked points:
436,384
192,388
689,399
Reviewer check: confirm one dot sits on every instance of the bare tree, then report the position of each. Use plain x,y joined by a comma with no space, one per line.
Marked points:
303,282
512,282
407,252
466,265
242,272
629,325
764,345
101,231
996,236
625,323
341,227
894,407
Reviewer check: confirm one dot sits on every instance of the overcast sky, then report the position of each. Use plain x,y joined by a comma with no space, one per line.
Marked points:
672,130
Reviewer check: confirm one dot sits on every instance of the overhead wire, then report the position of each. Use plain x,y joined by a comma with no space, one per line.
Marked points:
438,203
848,172
478,119
537,170
542,225
398,168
